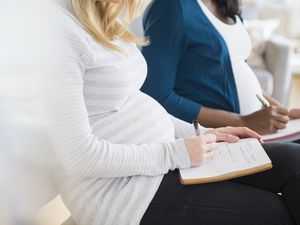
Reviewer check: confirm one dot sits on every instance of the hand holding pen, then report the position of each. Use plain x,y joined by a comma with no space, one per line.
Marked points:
200,147
267,120
204,145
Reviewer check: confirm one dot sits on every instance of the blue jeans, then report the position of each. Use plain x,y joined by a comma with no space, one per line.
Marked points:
250,200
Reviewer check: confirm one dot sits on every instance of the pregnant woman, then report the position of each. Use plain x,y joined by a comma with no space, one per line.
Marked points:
198,69
114,146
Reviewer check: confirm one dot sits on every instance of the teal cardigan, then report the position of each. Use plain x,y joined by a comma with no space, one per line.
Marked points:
188,60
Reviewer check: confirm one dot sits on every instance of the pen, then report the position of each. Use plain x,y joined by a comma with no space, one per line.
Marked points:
196,126
263,100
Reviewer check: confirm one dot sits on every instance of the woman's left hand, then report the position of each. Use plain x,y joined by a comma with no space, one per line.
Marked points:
294,113
233,134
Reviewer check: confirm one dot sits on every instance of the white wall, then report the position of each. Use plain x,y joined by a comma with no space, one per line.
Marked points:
288,11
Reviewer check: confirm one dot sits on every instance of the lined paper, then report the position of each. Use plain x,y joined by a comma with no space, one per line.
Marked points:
228,158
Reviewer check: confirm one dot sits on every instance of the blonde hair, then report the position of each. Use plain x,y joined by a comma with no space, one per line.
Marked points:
107,21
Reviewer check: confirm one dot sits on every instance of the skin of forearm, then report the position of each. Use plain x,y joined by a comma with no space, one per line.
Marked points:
214,118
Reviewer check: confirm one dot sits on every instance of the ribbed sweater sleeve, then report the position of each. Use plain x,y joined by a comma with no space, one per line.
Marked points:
76,147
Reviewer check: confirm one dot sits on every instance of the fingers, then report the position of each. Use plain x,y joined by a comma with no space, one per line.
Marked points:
210,144
251,133
265,121
208,154
282,111
294,113
209,147
281,118
222,136
226,137
272,127
209,138
245,132
208,151
242,132
278,125
200,147
278,110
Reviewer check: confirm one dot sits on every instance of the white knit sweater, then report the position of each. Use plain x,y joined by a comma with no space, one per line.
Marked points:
112,143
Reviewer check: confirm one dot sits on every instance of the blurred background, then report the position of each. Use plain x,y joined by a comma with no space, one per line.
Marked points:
274,27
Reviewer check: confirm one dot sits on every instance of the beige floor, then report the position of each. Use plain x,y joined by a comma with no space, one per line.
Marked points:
55,213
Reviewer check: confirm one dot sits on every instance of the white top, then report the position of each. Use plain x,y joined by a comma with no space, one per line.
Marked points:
239,47
112,143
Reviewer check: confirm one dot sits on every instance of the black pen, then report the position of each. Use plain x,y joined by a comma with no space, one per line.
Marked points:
196,126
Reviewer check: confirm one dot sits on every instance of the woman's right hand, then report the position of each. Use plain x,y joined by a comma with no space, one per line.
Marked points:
200,148
267,120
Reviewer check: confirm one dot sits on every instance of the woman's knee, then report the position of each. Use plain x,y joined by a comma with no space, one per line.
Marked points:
285,156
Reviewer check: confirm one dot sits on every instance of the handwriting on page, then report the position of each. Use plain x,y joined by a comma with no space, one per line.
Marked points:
228,158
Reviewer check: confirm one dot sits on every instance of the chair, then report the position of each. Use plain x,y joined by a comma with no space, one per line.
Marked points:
275,75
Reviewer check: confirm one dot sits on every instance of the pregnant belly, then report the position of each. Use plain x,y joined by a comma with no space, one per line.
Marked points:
247,86
140,120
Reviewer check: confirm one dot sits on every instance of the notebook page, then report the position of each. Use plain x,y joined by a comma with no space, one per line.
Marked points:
246,154
293,127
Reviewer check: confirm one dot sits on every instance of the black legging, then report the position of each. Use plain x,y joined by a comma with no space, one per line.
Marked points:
251,200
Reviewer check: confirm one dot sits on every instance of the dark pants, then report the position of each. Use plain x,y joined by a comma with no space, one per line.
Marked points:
251,200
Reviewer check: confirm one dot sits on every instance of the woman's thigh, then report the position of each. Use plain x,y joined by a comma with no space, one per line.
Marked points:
223,203
283,178
286,168
297,141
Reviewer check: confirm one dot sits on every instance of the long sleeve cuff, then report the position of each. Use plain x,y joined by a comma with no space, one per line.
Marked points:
179,155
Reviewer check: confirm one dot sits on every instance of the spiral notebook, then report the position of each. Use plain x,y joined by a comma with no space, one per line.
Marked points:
230,160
